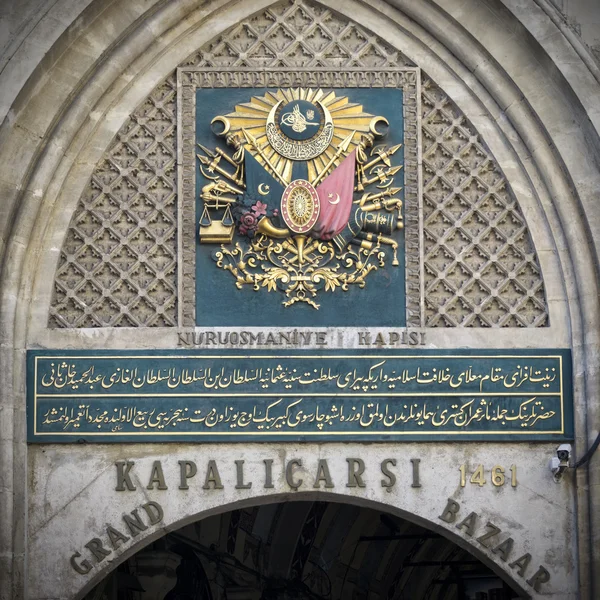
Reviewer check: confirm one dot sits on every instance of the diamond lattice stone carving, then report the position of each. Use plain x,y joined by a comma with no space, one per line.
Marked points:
480,266
118,262
119,259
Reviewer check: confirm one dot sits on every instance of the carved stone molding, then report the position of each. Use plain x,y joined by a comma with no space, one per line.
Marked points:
118,262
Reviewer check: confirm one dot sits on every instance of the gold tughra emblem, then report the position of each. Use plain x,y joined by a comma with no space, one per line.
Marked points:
297,121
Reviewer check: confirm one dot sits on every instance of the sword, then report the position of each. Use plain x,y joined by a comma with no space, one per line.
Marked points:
371,197
388,205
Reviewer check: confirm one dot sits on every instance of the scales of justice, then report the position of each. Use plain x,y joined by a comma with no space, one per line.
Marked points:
305,201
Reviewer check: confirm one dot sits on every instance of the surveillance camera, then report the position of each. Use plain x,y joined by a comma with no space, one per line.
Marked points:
560,463
564,453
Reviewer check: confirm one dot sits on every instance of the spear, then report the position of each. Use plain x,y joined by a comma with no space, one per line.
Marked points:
383,157
220,152
254,144
341,149
238,164
381,176
206,150
213,166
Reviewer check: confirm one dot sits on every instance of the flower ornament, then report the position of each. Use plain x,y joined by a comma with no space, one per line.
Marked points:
248,224
260,208
248,212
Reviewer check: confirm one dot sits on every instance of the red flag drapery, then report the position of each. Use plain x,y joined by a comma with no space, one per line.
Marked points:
335,194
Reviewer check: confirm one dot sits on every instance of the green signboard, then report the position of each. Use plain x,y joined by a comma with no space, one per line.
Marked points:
422,395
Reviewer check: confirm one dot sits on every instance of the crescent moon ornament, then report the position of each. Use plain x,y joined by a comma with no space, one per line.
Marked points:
383,124
263,189
226,124
336,201
271,117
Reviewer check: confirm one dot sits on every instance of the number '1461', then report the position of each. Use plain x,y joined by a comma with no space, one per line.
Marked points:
497,476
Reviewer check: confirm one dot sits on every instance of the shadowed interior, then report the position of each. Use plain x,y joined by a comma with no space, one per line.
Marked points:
302,550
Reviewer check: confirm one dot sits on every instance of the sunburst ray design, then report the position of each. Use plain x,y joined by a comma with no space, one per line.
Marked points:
346,116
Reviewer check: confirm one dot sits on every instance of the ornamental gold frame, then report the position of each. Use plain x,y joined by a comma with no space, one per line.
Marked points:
190,79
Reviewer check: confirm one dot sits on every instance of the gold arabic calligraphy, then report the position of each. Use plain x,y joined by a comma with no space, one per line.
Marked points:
281,415
377,375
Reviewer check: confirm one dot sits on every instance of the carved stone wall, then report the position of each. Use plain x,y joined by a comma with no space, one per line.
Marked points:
118,263
119,260
480,265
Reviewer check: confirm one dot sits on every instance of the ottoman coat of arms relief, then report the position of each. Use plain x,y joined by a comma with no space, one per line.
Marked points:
304,198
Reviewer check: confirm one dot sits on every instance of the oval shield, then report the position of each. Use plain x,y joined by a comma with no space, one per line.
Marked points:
300,206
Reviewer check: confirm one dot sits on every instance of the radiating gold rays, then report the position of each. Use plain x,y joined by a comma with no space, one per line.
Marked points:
347,117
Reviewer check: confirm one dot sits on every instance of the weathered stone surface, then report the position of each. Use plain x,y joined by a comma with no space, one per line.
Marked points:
551,166
61,488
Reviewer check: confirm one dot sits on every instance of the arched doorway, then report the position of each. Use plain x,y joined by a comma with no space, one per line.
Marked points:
94,184
313,550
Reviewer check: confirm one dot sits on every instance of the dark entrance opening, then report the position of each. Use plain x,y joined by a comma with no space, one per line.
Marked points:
302,551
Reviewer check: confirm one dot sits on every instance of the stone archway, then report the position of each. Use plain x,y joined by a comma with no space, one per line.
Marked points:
95,90
303,548
140,493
